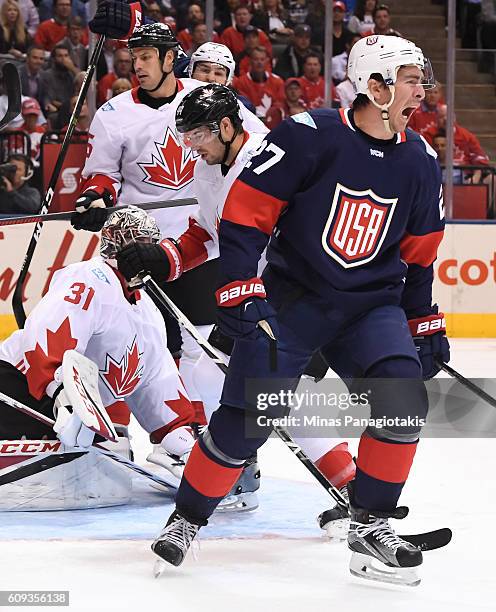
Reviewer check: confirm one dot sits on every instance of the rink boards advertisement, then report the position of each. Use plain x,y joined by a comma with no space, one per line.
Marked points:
464,288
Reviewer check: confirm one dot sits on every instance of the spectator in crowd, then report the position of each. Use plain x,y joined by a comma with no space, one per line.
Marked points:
340,62
316,20
262,88
14,37
382,22
312,83
185,36
16,196
30,72
31,111
291,105
297,11
290,62
233,37
273,19
199,36
154,12
467,149
57,81
225,14
84,119
426,116
252,40
73,41
362,20
52,31
120,86
122,70
439,145
30,15
171,22
46,9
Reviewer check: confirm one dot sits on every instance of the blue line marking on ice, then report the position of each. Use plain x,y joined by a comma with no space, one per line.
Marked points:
287,509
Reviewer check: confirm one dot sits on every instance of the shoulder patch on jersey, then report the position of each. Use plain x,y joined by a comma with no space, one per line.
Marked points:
304,118
100,275
107,107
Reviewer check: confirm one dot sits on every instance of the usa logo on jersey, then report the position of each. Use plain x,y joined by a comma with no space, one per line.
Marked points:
356,226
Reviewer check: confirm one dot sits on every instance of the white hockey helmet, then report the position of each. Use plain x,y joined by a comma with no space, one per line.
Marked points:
384,55
130,224
215,53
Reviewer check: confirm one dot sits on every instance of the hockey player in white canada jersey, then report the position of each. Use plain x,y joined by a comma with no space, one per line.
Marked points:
206,120
91,308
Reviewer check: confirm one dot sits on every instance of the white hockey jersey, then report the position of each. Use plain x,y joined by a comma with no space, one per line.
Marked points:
200,242
86,309
133,151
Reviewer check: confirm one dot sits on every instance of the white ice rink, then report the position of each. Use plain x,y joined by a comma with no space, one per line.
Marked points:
286,564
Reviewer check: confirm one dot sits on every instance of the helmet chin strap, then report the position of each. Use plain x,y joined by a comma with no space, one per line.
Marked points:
227,145
384,108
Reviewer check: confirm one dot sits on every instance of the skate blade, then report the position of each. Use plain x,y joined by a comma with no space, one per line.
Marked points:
238,503
364,566
338,529
159,568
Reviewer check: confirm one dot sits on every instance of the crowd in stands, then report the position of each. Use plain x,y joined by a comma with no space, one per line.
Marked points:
278,47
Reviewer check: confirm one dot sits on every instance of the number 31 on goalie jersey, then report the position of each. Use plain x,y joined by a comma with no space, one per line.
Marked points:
277,155
78,291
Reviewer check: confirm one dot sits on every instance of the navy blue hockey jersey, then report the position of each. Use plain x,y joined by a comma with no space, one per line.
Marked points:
352,218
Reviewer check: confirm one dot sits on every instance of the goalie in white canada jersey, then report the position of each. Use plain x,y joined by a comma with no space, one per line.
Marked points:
91,309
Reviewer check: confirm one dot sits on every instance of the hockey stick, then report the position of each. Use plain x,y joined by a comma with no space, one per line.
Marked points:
425,541
12,83
155,292
98,448
467,383
18,308
65,216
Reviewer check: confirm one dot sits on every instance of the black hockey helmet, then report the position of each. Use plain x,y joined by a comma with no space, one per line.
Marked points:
208,105
158,35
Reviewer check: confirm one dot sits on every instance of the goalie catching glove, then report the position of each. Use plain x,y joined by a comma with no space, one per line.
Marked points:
429,337
78,408
162,261
241,308
91,210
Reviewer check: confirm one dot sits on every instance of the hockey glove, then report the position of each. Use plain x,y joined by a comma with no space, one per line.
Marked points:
91,211
429,337
116,19
163,261
241,307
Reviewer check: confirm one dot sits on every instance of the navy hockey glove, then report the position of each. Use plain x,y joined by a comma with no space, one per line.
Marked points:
429,337
116,19
91,210
163,261
241,306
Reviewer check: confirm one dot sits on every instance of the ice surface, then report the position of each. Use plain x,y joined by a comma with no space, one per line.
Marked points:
275,556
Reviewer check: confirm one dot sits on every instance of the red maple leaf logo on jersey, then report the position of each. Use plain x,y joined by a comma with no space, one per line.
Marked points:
122,377
42,365
172,167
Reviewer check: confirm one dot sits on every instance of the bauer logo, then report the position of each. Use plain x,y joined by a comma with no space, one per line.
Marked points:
357,225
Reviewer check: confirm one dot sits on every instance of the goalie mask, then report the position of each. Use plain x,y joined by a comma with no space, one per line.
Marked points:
130,224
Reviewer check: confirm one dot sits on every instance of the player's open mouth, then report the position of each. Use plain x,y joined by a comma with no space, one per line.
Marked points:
408,111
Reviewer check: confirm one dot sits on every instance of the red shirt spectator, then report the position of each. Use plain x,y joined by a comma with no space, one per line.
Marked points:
233,37
185,37
426,116
252,40
122,70
312,84
292,104
52,31
260,87
467,151
30,112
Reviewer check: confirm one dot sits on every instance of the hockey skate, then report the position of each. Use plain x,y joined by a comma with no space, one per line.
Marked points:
336,521
377,552
243,497
174,541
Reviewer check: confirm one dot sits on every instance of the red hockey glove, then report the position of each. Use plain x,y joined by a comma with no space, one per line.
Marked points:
429,337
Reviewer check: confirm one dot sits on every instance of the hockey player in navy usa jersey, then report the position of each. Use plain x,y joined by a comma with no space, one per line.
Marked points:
351,202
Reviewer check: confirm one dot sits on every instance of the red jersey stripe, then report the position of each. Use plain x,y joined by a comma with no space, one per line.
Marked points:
421,250
248,206
207,477
192,245
384,460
